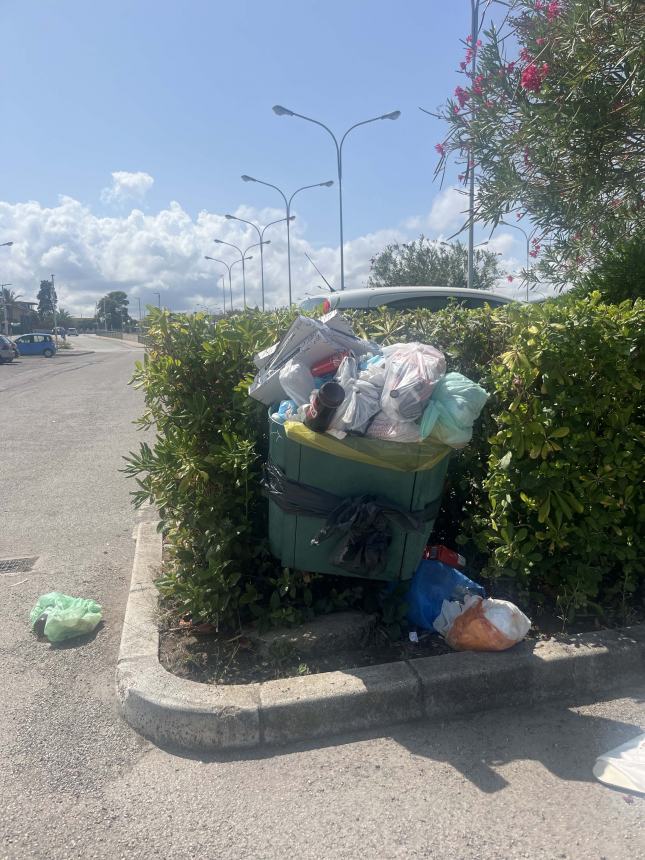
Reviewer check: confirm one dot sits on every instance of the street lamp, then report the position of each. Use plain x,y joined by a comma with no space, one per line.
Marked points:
289,218
230,283
6,245
526,236
53,297
158,295
283,111
260,232
242,260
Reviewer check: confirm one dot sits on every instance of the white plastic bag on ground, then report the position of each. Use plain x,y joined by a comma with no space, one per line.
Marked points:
623,767
481,625
413,370
296,381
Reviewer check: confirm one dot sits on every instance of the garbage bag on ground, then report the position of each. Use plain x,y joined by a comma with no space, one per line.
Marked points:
481,625
360,524
433,583
449,415
413,370
624,766
59,616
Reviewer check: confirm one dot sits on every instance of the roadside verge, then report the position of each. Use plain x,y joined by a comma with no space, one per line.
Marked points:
176,712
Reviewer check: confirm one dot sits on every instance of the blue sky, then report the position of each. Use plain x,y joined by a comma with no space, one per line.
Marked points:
183,93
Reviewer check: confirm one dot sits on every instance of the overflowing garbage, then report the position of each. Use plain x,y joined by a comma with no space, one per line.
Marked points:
58,616
323,376
391,408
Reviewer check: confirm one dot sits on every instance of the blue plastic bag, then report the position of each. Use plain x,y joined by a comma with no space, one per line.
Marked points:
433,583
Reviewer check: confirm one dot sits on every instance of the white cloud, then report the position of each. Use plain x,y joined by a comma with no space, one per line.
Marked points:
143,253
127,185
448,211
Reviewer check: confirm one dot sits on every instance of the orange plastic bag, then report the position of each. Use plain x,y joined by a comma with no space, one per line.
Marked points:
482,625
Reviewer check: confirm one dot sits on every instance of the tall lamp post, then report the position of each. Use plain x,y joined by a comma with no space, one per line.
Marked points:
289,218
242,260
528,245
158,295
283,111
54,311
260,232
230,282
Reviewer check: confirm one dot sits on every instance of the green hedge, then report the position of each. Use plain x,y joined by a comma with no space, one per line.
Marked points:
549,492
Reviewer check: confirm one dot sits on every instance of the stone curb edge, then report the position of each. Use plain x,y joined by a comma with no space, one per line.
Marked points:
179,713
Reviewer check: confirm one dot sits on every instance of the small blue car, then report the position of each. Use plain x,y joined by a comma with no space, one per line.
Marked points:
36,344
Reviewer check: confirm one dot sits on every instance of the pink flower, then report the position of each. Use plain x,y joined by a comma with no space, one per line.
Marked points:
440,148
455,109
532,77
469,56
462,96
527,160
539,5
478,43
469,39
477,85
510,279
461,177
462,66
510,67
533,253
526,56
519,216
540,41
553,10
489,104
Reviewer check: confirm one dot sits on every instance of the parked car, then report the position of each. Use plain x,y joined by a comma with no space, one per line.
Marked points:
72,331
6,350
36,344
403,298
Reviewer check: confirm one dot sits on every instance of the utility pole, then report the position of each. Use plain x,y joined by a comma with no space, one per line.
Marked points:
53,298
474,30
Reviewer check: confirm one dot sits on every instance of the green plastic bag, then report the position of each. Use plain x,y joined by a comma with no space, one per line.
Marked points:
452,410
61,617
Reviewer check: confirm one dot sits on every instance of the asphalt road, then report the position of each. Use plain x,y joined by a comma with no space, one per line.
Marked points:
76,782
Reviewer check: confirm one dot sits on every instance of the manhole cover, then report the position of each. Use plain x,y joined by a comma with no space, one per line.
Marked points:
17,565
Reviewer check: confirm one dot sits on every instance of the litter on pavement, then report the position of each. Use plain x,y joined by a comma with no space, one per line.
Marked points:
624,766
479,624
59,616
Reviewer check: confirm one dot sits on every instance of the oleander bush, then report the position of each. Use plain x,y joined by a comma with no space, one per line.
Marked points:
549,493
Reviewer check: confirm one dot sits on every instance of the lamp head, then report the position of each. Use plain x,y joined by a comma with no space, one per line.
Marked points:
230,217
328,184
218,241
395,114
246,178
279,110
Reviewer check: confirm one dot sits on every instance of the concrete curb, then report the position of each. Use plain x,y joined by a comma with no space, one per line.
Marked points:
175,712
73,353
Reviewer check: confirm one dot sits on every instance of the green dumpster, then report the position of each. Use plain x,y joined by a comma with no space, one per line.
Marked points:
290,535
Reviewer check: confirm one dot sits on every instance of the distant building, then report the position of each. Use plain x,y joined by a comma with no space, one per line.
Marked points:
21,316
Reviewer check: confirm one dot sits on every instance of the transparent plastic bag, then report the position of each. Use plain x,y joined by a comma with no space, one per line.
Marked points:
453,408
413,370
362,399
393,430
296,381
59,616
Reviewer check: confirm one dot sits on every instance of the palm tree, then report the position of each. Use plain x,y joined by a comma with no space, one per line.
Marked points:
9,302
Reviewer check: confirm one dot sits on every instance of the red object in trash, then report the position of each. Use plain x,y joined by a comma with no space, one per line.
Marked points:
329,364
439,552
